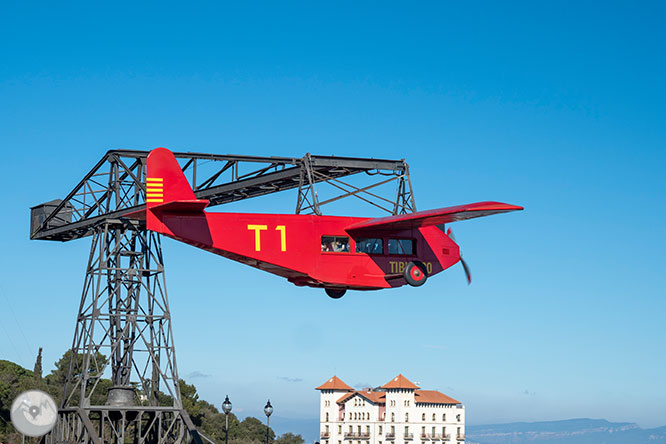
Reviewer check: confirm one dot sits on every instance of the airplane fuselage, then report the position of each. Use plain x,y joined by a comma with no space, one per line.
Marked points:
312,250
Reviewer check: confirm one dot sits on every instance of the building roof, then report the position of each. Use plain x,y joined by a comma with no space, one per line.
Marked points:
433,397
372,396
400,382
335,383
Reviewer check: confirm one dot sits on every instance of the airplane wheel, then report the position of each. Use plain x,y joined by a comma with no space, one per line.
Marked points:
416,274
335,293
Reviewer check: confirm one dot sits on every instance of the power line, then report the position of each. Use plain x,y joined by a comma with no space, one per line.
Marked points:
19,355
18,324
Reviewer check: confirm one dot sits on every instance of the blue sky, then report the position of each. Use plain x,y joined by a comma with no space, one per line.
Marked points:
557,106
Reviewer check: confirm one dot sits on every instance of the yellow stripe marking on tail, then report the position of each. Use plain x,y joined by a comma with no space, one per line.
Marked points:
154,190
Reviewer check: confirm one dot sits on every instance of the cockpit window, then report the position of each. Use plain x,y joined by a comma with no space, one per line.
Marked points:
401,246
335,244
370,246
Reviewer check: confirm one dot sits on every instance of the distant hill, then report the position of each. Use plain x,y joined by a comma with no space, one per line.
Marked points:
571,431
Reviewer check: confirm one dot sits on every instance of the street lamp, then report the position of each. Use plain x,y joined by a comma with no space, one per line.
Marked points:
268,409
226,408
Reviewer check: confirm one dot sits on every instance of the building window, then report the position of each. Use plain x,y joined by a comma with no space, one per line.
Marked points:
380,430
335,244
370,246
433,417
339,430
458,418
406,417
351,429
327,417
443,417
401,246
423,417
326,428
392,417
367,430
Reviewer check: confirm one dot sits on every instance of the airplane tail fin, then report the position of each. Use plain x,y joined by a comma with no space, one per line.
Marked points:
165,181
167,189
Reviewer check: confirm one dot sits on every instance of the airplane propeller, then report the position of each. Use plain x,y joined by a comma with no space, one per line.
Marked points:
468,273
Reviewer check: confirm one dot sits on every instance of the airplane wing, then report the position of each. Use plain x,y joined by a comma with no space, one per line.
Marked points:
430,217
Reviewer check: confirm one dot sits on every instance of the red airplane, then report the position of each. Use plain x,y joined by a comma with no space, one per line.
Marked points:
331,252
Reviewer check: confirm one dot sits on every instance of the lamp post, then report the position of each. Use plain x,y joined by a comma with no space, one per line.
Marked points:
268,409
226,408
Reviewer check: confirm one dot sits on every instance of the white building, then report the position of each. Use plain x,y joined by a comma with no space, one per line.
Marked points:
398,412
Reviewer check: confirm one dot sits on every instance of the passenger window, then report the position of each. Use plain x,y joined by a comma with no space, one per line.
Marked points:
401,246
335,244
370,246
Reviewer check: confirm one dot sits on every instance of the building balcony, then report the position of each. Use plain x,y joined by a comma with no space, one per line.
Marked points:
446,437
408,436
357,435
460,437
325,434
433,437
390,436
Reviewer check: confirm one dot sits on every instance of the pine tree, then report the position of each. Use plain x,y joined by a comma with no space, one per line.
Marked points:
38,365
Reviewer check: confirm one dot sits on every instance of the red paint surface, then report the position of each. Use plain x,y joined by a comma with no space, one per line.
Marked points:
290,245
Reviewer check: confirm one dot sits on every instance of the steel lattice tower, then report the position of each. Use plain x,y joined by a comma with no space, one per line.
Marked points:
122,382
123,328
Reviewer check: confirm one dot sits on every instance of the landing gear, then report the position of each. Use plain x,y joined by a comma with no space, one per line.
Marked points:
335,293
416,274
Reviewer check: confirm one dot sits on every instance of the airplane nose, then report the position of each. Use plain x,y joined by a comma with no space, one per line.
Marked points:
468,272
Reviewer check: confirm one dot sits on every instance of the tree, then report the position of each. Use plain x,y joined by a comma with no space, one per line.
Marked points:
14,379
37,371
251,429
55,381
290,438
